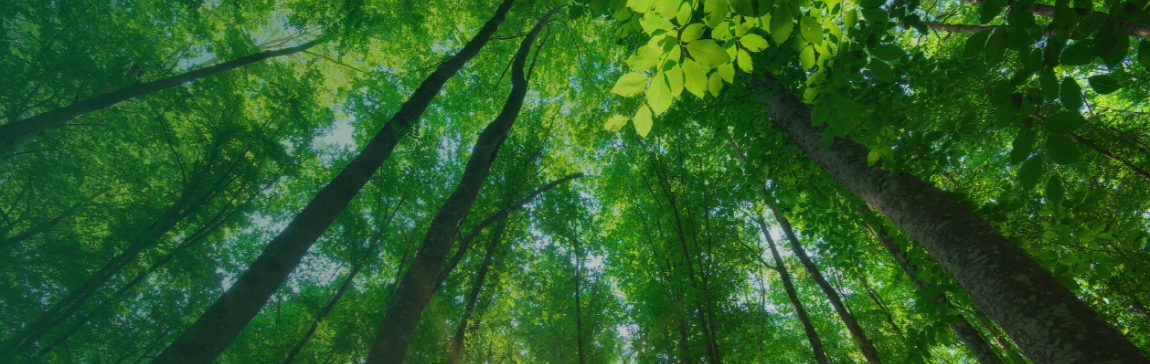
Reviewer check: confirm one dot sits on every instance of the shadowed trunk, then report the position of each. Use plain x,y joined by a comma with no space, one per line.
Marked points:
419,284
455,352
1002,279
808,327
222,322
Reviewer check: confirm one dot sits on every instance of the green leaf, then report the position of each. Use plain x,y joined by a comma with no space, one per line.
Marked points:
846,107
1054,190
1061,149
888,52
1103,84
630,84
716,12
1080,53
659,95
1049,83
644,58
820,113
996,48
1071,94
1006,112
691,33
708,53
727,71
781,24
715,84
751,8
871,4
1144,54
744,61
1022,145
1064,122
753,42
881,70
876,15
811,29
667,8
989,10
615,122
975,44
641,6
696,78
675,80
1029,174
807,57
850,18
643,121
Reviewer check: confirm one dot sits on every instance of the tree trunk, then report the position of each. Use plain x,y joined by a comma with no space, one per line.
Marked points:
1133,168
856,331
808,327
48,225
1047,321
455,352
418,285
966,333
295,350
223,321
15,134
878,301
578,308
1047,11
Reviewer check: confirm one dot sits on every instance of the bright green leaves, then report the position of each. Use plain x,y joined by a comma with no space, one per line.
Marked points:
811,30
1061,149
696,78
716,12
644,58
751,8
782,23
641,6
1103,84
1070,94
887,52
1064,122
744,61
630,84
675,80
708,53
643,121
1030,173
691,32
659,94
975,44
615,122
753,42
807,57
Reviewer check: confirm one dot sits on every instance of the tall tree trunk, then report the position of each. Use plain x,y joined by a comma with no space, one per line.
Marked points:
1131,166
223,321
878,301
578,308
856,331
969,336
1047,11
1047,321
455,352
48,225
418,285
17,133
808,327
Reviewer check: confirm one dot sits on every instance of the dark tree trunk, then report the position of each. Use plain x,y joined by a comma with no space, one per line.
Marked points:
1048,322
800,312
15,134
222,322
1131,166
856,331
578,308
419,284
455,352
878,301
966,333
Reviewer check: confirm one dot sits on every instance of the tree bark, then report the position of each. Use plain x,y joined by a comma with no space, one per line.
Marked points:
578,309
1133,168
856,331
455,352
1047,11
808,327
222,322
295,350
418,285
15,134
1046,319
978,346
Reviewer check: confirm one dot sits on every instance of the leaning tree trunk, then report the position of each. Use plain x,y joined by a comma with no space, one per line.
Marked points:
1046,319
969,336
856,331
455,352
17,133
808,327
419,284
223,321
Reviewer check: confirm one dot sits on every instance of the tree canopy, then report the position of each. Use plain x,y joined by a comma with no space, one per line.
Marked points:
595,181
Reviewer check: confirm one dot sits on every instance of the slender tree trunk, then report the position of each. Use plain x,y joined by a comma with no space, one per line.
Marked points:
455,352
578,308
48,225
15,134
222,322
1047,11
969,336
1018,293
295,350
808,327
418,285
856,331
878,301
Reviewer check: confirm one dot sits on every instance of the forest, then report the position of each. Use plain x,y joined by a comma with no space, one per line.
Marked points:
526,181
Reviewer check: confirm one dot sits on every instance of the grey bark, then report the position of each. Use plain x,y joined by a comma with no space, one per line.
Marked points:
1049,323
222,322
800,312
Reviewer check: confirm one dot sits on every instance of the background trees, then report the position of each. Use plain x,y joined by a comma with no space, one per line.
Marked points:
120,227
